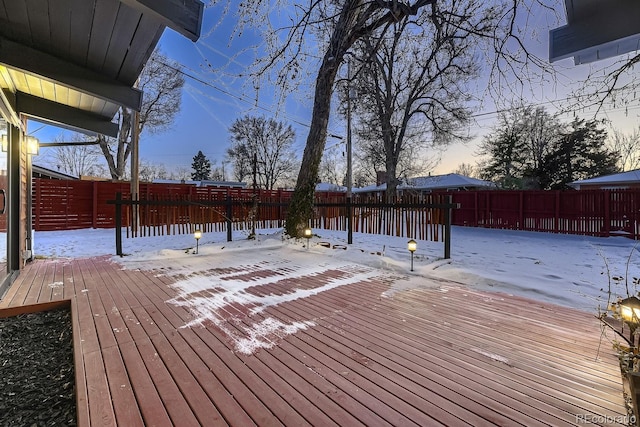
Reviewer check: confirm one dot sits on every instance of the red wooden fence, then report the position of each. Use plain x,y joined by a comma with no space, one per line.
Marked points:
61,205
591,213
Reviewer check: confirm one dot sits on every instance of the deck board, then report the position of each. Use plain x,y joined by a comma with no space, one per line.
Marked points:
441,354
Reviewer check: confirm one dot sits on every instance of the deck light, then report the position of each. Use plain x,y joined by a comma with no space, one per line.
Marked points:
630,310
307,234
630,313
412,245
198,235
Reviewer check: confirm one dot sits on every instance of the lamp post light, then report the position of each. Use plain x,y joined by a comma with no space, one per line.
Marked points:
412,245
307,234
198,235
33,145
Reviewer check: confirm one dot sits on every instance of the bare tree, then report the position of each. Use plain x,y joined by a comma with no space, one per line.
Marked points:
263,145
333,166
330,28
77,159
411,162
150,171
241,160
411,82
181,173
466,169
161,86
627,147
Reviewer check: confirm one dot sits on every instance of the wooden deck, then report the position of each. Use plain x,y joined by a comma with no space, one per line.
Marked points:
435,355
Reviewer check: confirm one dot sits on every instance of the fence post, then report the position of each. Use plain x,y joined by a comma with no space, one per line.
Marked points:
229,216
38,203
607,213
447,227
94,209
521,211
119,224
556,228
280,213
349,222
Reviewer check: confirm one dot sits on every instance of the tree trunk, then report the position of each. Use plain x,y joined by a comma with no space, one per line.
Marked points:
301,206
342,38
117,163
351,26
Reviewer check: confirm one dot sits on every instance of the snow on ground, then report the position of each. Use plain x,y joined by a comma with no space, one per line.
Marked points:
573,271
563,269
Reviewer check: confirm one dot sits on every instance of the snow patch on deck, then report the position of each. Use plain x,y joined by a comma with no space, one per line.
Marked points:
492,356
235,301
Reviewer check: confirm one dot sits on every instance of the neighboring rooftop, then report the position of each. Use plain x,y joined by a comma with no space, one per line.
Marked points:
46,173
629,178
326,186
435,182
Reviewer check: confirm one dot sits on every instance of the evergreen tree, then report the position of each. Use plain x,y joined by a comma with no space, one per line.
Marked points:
506,149
517,148
532,149
201,167
580,153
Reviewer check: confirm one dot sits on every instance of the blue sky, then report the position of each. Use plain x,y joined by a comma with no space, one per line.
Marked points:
209,109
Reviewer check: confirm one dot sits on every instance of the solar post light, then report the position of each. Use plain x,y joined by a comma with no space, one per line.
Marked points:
307,234
412,245
198,235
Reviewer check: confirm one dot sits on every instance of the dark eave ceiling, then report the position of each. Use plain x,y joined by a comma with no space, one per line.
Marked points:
595,30
73,63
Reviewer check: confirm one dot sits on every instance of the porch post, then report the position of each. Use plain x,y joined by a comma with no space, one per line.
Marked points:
13,199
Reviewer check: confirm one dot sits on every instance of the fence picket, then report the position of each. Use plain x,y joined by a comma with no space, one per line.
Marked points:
61,205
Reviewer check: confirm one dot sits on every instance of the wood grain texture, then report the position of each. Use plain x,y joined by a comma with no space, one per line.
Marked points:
403,358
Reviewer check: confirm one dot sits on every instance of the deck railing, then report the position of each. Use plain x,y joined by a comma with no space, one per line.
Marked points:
424,218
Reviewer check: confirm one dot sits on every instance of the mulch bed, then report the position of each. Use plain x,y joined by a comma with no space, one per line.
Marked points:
37,384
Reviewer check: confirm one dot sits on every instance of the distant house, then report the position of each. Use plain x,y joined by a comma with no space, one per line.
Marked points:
46,173
617,181
429,184
203,183
325,186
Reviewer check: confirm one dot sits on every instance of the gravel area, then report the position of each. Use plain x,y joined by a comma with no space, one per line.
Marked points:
37,384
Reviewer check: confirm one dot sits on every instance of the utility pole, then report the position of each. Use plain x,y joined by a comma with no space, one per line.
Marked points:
255,196
349,170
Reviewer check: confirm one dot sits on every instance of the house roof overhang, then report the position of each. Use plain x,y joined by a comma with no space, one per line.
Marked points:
595,30
74,63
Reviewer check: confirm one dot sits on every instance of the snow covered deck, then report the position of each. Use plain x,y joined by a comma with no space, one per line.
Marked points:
272,343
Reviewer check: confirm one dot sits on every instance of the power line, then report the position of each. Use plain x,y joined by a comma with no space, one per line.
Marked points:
307,125
238,97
